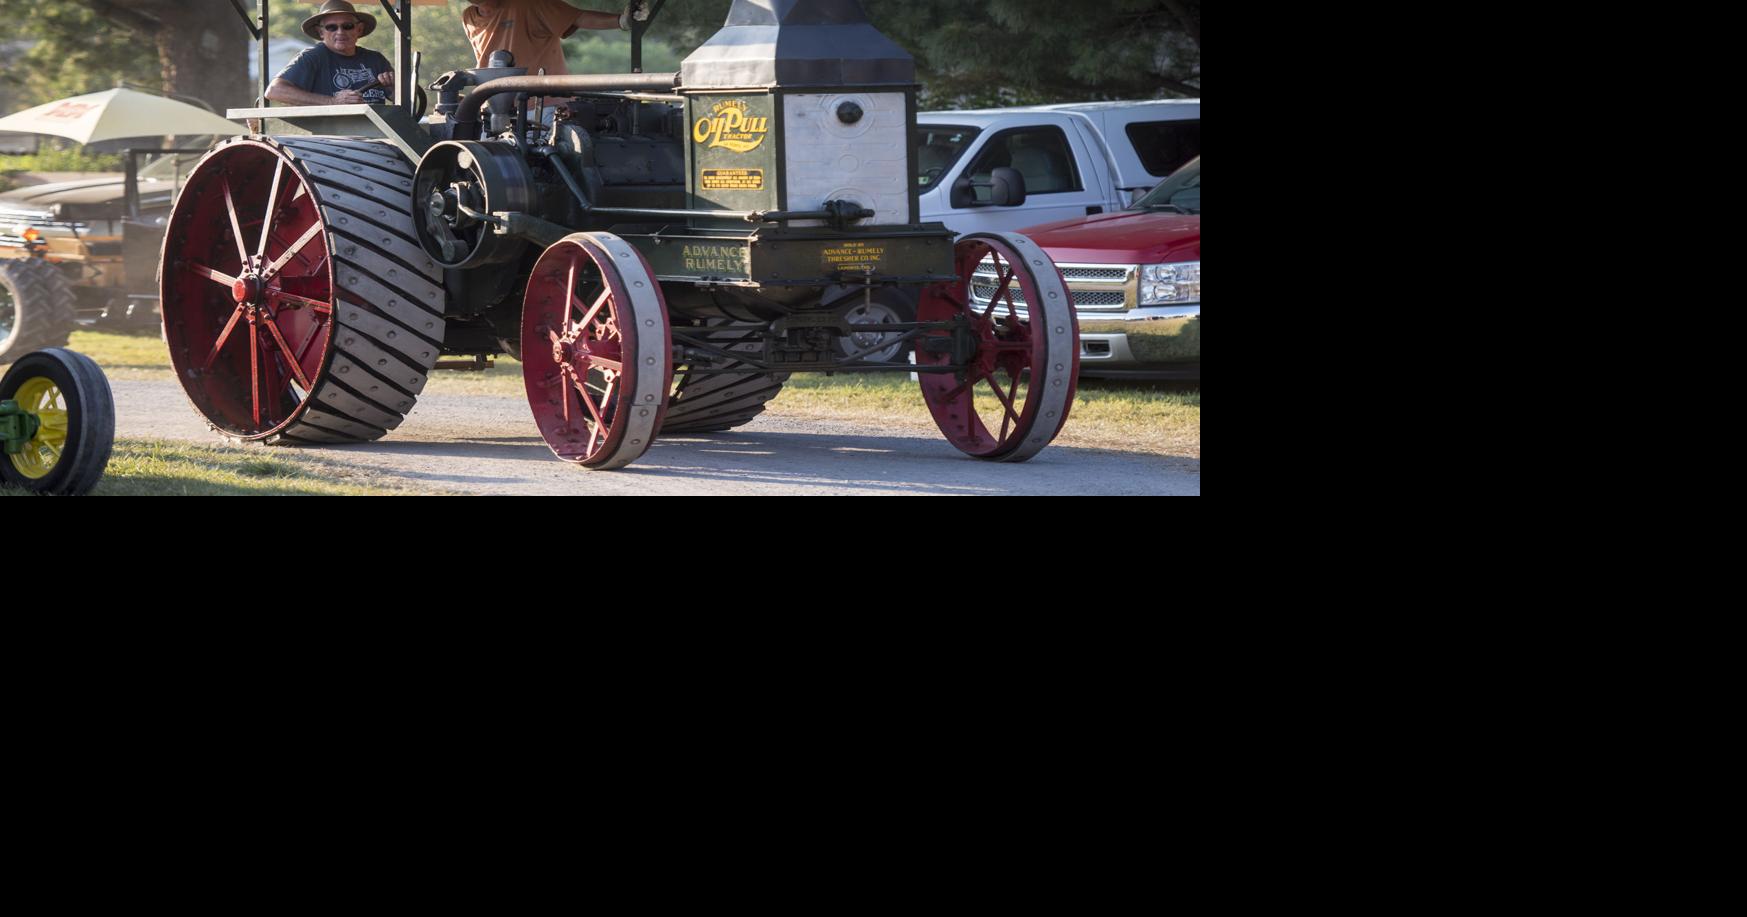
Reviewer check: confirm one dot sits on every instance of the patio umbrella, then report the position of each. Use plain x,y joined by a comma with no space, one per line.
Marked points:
117,114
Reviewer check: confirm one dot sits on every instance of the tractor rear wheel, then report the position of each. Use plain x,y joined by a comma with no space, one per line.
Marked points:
298,305
1014,393
721,401
597,350
37,307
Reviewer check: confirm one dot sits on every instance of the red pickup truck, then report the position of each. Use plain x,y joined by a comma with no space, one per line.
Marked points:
1136,280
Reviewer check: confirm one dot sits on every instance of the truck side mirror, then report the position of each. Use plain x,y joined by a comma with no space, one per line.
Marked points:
1006,189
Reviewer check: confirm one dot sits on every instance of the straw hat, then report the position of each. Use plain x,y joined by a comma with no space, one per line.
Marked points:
312,25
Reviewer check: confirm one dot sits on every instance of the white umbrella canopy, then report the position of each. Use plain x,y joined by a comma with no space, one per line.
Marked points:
117,114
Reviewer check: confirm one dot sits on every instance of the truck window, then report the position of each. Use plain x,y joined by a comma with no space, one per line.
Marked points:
1164,146
938,149
1041,154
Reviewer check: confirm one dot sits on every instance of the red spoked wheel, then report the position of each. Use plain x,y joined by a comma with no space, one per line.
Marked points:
597,351
298,306
1018,349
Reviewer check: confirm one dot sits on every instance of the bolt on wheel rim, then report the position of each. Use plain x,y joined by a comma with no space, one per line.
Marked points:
248,290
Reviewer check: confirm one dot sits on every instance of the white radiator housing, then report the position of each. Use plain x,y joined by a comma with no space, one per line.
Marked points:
867,162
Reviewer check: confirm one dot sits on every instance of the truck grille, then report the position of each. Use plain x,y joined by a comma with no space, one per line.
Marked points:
1095,287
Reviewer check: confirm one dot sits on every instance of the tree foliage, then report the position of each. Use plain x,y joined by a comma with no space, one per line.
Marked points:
1016,52
992,52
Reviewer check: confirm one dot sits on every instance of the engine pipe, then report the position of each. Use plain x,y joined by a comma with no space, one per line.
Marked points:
467,116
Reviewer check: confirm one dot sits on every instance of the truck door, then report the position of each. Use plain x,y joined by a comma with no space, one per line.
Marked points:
1060,183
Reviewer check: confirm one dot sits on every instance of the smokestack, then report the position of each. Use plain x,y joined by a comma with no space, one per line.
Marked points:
798,44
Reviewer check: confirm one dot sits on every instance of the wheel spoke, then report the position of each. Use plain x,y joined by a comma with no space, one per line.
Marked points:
1012,395
218,277
230,205
594,310
600,425
308,234
569,294
1004,288
255,371
1006,402
296,368
272,205
224,336
305,301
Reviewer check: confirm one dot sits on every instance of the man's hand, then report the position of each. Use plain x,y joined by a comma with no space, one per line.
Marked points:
386,79
636,9
348,97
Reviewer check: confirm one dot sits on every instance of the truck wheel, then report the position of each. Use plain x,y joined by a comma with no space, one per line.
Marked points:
76,413
887,307
720,401
1021,379
298,305
598,350
37,307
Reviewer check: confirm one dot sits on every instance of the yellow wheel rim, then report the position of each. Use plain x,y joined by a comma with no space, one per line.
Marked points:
43,398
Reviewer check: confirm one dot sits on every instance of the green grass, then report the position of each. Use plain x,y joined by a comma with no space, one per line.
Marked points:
159,468
1159,418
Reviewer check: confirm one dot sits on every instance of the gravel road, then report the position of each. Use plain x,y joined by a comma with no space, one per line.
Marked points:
480,444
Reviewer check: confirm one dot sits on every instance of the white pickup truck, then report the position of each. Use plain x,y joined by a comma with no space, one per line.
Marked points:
1077,160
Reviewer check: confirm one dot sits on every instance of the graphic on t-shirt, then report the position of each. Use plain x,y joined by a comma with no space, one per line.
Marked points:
357,78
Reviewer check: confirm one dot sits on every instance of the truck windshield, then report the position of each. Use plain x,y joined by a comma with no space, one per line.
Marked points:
939,149
1181,193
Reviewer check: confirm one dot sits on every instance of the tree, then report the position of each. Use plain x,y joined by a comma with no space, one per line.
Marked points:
1009,52
195,48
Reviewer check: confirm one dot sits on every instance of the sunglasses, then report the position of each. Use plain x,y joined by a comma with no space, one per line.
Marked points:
339,26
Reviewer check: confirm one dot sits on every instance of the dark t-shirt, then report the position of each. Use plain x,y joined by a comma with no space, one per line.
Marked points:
320,70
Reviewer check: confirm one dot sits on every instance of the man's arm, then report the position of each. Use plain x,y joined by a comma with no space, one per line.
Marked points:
289,94
589,19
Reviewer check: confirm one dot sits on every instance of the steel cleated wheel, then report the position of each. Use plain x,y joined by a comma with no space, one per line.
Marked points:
66,402
37,307
298,305
1020,349
597,350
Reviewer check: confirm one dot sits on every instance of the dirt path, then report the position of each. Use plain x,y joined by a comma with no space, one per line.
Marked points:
488,445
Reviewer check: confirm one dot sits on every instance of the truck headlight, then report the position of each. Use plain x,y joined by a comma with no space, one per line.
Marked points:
1167,284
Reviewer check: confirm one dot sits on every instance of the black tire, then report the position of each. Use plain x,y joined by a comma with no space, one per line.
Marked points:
37,307
90,432
388,302
719,402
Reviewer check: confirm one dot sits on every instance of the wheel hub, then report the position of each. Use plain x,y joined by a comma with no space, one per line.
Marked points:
247,289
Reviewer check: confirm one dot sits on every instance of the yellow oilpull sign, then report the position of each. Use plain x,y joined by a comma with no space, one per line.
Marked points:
730,127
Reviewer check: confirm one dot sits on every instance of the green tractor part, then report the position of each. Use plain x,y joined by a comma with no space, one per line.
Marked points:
57,423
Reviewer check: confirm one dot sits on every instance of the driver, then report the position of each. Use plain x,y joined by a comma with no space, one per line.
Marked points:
337,71
534,30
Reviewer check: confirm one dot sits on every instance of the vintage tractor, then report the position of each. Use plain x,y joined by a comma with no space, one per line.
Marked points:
57,423
661,251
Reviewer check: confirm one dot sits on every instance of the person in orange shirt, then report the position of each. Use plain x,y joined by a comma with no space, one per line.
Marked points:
534,30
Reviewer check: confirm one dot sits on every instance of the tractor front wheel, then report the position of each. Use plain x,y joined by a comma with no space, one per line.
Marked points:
1014,320
597,350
